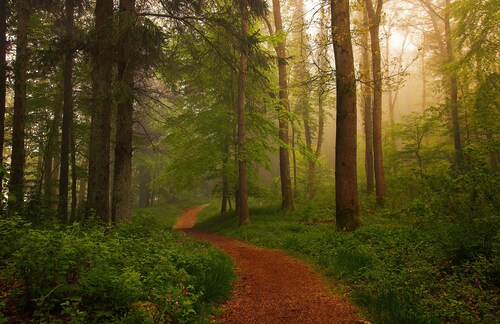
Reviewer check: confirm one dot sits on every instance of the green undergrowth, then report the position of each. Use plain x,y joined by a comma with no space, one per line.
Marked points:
400,267
141,272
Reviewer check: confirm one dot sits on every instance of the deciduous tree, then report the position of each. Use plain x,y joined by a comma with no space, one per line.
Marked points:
287,202
243,212
374,17
346,184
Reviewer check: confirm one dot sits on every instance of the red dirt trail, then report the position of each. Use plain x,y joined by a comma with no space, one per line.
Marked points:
272,288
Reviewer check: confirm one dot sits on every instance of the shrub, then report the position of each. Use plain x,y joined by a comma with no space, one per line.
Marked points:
141,271
403,266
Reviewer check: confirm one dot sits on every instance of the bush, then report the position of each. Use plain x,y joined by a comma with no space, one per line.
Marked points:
141,271
403,266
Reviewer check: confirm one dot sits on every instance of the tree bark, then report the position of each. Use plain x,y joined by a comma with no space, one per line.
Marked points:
74,177
424,79
122,187
453,89
144,190
391,100
243,212
54,180
374,15
81,191
67,119
323,66
3,79
346,184
16,185
367,106
303,104
99,159
287,202
51,163
225,180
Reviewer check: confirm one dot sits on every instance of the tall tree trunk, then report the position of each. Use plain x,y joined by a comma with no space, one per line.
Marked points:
303,104
374,15
286,183
81,191
294,163
47,170
453,88
319,143
74,177
16,185
51,164
3,79
67,119
367,106
311,164
122,187
225,180
424,79
54,182
144,190
323,66
393,95
99,159
346,183
242,206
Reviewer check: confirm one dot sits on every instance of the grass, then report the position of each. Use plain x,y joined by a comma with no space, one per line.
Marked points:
400,268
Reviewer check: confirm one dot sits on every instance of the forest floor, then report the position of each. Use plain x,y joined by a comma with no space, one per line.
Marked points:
271,286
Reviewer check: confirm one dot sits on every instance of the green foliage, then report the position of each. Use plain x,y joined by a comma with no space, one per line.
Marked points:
142,271
412,265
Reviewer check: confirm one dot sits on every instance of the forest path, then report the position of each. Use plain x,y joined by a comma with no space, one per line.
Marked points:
272,287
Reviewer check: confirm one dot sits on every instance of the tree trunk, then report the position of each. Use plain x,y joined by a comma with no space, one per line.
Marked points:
16,185
67,119
393,95
122,187
323,66
374,19
294,163
51,164
303,104
56,164
311,164
151,198
81,191
242,206
3,79
424,80
74,177
286,183
225,180
99,159
367,106
144,190
346,184
453,88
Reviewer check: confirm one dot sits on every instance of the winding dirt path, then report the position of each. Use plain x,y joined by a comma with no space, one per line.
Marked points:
272,288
